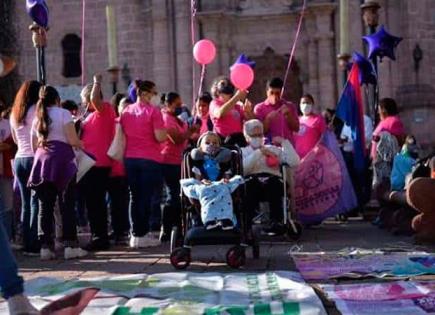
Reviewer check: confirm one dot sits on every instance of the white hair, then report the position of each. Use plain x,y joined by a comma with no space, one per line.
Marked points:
250,125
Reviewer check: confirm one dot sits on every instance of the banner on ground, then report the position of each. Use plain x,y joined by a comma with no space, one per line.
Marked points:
322,184
380,265
273,293
399,297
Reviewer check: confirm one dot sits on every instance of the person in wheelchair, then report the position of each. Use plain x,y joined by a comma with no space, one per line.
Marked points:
214,197
262,169
210,158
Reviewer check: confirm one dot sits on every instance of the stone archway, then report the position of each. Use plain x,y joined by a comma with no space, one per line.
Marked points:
271,65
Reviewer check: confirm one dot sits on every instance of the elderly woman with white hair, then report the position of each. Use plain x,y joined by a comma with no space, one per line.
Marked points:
262,170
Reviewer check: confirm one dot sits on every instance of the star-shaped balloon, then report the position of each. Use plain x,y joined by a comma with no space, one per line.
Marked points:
38,12
367,73
245,60
382,44
131,91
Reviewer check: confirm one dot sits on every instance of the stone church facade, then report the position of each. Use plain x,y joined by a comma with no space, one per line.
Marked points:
154,42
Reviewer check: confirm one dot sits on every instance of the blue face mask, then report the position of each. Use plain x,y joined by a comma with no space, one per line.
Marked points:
212,169
178,111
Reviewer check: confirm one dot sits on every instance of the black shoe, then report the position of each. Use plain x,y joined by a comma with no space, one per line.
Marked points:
164,237
227,224
98,244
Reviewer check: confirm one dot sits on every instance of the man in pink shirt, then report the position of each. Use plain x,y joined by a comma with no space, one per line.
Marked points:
279,117
98,130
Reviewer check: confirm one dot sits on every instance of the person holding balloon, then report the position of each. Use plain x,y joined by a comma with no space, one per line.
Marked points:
228,113
279,117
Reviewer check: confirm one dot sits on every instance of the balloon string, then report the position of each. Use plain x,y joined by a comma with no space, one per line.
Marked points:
201,81
83,41
294,46
192,31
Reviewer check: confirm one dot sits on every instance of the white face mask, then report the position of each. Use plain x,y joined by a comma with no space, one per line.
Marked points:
256,142
155,100
306,108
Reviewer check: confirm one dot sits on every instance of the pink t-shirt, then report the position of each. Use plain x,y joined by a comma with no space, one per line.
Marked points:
391,124
230,123
117,169
173,153
138,122
204,124
311,129
98,130
278,125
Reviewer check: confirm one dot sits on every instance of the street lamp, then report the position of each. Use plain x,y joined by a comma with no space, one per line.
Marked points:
370,16
39,38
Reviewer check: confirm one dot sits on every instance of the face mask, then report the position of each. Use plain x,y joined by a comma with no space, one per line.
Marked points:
211,149
256,142
306,108
155,100
178,111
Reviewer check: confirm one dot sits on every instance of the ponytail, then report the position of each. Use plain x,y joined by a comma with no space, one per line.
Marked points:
48,96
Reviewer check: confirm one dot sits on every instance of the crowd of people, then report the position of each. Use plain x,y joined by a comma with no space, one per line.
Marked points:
119,199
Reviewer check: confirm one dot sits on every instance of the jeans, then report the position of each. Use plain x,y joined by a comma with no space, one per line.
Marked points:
48,194
142,175
10,283
6,204
29,204
118,193
172,210
96,183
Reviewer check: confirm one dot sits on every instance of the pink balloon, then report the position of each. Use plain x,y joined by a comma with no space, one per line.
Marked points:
204,51
242,76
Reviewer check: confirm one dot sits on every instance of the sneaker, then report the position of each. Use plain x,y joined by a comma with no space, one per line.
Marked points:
98,244
143,241
275,228
16,246
31,254
74,252
20,305
210,225
47,254
226,224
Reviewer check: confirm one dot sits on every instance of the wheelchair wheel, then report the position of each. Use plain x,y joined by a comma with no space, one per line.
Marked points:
180,258
291,233
236,257
175,239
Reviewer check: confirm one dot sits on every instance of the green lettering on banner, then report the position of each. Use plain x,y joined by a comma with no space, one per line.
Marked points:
272,283
253,288
262,309
291,308
123,310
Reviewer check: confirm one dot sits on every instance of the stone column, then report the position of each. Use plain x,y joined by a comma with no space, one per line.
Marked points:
326,58
161,64
183,50
313,70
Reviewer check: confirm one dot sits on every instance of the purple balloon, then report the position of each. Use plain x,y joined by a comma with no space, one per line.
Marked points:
382,44
38,12
132,95
245,60
367,73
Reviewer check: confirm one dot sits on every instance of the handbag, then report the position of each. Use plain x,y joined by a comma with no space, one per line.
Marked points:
117,147
84,163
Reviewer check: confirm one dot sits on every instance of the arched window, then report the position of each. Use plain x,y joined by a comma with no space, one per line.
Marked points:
71,46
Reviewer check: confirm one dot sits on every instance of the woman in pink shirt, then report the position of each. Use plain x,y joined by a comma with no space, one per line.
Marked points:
97,132
144,131
311,127
228,113
390,122
23,112
172,153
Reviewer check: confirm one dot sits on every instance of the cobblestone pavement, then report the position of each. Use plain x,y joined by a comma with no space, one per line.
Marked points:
330,236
